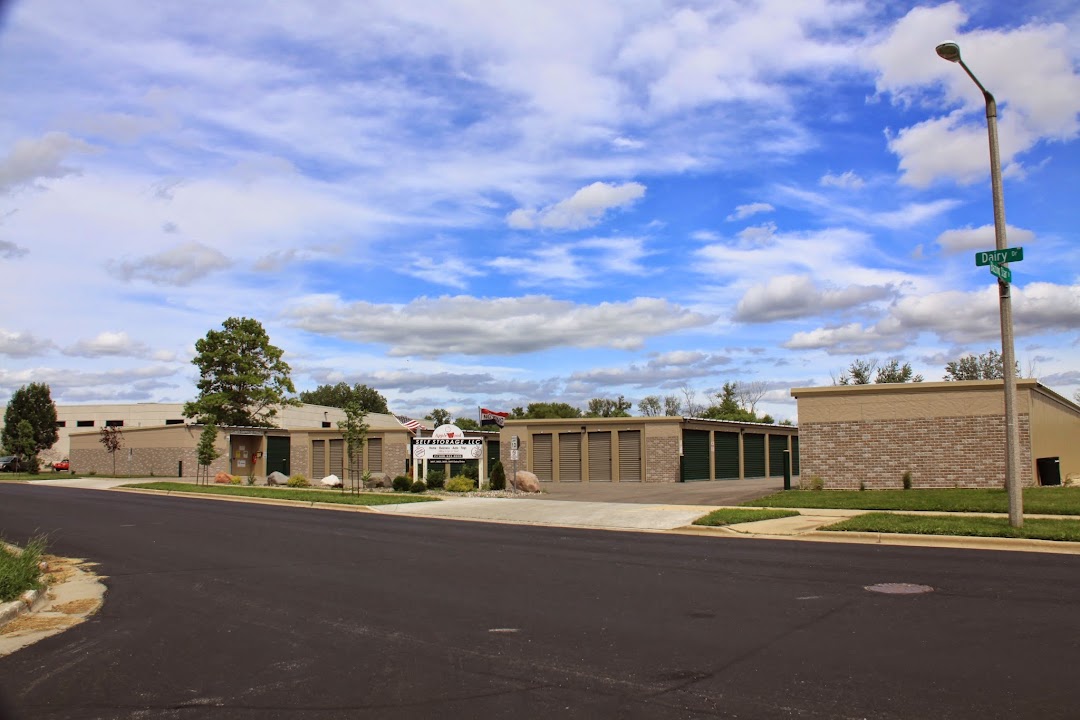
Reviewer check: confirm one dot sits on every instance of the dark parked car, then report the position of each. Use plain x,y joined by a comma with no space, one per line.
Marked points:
61,465
9,463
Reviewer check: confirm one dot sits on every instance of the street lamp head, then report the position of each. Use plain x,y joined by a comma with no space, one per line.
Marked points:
949,51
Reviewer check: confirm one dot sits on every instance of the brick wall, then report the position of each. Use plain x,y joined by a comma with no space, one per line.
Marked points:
142,462
962,452
394,456
662,459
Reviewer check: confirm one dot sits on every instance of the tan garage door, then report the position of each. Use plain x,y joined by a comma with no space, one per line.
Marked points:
542,456
569,457
374,454
318,458
600,457
629,456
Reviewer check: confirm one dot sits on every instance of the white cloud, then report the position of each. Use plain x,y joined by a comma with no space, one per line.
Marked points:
954,316
847,180
180,265
1030,69
108,344
980,238
793,296
504,326
583,209
444,270
39,158
23,344
744,211
583,263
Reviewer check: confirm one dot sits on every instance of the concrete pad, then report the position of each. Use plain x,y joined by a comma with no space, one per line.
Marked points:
93,483
612,516
74,594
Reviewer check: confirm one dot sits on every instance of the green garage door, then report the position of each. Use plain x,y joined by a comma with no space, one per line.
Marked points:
777,446
695,460
795,455
754,455
493,455
727,455
277,455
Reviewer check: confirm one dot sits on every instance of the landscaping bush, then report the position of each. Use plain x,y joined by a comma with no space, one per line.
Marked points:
817,483
235,480
417,487
460,484
401,483
498,476
298,481
435,480
472,470
907,479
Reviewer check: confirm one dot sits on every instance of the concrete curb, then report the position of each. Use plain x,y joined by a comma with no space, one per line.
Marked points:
30,601
316,504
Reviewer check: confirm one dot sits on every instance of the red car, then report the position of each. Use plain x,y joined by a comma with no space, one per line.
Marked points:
61,465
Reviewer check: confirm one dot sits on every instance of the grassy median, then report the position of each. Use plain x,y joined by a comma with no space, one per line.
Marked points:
322,496
20,570
1037,500
1034,529
733,516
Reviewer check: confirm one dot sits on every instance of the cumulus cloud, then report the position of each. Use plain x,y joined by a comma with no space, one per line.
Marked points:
1029,69
467,325
668,370
23,344
583,209
1038,308
847,180
40,158
73,385
180,265
744,211
980,238
794,296
115,344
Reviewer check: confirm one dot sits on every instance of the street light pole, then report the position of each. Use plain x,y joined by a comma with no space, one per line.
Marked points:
951,52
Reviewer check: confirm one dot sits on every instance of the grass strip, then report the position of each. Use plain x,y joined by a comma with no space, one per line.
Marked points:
323,496
1037,500
1033,529
20,571
732,516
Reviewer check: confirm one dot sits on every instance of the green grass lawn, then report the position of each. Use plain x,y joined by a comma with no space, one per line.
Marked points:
1061,530
1037,500
731,516
324,496
19,572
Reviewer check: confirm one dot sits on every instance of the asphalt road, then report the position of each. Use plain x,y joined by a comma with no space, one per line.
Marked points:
227,610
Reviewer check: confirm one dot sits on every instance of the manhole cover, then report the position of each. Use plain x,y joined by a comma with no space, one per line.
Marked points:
899,588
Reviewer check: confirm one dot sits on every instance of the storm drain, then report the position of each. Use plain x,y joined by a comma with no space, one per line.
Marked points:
899,588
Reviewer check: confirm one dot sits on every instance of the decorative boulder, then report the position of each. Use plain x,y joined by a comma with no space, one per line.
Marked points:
331,481
276,478
525,481
379,480
223,478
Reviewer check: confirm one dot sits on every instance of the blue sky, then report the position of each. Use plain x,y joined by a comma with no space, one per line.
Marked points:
466,203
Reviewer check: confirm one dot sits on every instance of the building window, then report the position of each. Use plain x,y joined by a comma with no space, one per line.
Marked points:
114,423
174,422
61,423
84,423
325,424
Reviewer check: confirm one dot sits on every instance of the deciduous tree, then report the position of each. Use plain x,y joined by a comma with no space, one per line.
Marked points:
206,451
33,405
606,407
354,431
112,438
367,399
649,406
242,378
440,416
894,372
987,366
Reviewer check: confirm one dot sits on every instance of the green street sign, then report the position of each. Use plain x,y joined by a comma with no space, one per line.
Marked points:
999,257
1002,272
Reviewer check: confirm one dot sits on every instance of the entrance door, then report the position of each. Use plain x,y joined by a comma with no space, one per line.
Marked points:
277,455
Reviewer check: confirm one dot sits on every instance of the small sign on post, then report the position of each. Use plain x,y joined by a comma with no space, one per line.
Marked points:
999,257
1000,271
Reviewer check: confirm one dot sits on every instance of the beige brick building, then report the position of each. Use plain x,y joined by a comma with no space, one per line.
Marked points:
153,445
946,434
647,449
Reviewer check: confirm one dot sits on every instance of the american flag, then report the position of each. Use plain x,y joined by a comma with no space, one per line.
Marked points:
413,425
